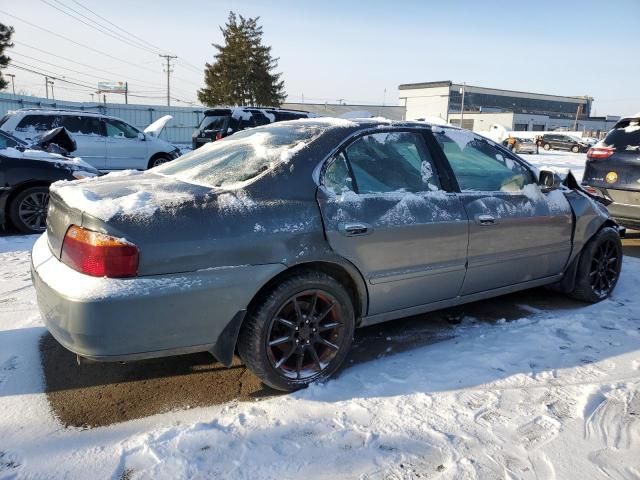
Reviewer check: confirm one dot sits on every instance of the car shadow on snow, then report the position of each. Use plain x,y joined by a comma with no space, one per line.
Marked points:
97,394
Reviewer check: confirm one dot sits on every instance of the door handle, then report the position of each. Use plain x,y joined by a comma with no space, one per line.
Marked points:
355,229
485,220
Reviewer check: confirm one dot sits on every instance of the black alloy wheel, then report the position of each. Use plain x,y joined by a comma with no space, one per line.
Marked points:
604,269
599,267
28,210
305,334
299,332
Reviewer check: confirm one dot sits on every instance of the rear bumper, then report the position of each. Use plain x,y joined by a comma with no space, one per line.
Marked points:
625,206
130,319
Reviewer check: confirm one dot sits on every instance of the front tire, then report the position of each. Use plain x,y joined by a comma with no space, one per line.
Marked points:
28,210
299,333
546,146
575,149
599,267
158,160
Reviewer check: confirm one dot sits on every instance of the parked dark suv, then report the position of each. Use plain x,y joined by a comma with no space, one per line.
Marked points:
613,170
221,122
563,142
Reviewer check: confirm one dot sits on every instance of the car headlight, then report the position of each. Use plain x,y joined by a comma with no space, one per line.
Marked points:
82,174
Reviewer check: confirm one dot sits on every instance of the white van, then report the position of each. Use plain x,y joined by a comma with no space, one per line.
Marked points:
107,143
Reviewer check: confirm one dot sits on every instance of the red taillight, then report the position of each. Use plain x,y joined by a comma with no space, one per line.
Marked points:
98,254
597,153
218,135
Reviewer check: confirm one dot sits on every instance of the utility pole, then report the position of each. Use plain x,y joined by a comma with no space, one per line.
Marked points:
126,93
13,83
168,70
46,86
578,112
52,95
384,97
464,84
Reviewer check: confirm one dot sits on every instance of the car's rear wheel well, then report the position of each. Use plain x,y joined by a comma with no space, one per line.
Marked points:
334,270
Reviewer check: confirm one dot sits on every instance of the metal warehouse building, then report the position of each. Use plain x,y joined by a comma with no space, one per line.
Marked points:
522,111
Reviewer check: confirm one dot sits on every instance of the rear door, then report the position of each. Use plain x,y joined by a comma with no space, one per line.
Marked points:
125,147
386,210
90,140
517,233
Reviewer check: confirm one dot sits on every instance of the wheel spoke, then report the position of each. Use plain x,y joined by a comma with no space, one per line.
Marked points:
280,341
326,342
286,357
329,326
296,306
312,307
286,322
325,312
299,362
316,358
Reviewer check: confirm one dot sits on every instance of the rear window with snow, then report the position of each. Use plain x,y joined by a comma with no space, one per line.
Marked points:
625,137
242,156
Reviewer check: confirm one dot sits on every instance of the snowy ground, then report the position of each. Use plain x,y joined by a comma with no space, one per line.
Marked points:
554,394
559,161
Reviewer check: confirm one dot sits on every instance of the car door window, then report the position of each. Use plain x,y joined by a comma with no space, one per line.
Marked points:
118,129
479,166
37,123
80,125
384,162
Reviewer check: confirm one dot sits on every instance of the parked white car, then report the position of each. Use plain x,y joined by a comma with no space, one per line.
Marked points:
105,142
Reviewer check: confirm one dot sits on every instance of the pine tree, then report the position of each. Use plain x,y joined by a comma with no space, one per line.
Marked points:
242,73
5,42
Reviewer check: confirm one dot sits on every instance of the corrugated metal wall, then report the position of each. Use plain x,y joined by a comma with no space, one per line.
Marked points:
178,130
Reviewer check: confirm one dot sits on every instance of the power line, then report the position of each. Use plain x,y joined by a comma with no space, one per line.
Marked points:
119,28
77,43
111,73
99,28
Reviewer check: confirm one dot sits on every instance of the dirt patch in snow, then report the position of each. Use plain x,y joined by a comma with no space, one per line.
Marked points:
100,394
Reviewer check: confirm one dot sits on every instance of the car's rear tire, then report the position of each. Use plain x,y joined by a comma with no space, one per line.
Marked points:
28,209
158,160
575,149
546,146
298,333
599,267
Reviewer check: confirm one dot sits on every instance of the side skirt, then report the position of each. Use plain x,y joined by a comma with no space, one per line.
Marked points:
452,302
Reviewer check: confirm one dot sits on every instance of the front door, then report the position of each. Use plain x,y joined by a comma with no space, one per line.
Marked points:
126,146
90,140
517,233
386,210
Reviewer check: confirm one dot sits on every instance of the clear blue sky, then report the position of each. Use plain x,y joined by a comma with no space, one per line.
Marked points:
354,50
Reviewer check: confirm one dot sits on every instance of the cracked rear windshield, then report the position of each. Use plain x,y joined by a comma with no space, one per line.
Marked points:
243,156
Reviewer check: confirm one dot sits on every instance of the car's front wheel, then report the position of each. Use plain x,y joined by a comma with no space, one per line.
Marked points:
28,209
158,160
546,146
599,267
299,333
575,149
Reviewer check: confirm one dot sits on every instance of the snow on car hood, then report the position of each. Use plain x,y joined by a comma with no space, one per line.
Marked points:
155,129
31,154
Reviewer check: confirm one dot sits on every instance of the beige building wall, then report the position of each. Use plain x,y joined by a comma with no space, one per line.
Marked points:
425,102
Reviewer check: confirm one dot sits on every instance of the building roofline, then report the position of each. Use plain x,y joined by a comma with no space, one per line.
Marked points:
410,86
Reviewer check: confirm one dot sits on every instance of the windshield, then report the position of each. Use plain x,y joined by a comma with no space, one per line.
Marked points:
625,137
243,156
7,141
213,122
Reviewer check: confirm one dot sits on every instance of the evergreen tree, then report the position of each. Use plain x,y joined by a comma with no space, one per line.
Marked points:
5,42
242,73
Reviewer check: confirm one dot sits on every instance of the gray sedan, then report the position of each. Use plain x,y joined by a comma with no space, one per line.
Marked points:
277,242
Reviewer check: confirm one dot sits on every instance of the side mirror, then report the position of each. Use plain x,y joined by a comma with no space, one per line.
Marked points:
141,136
548,180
